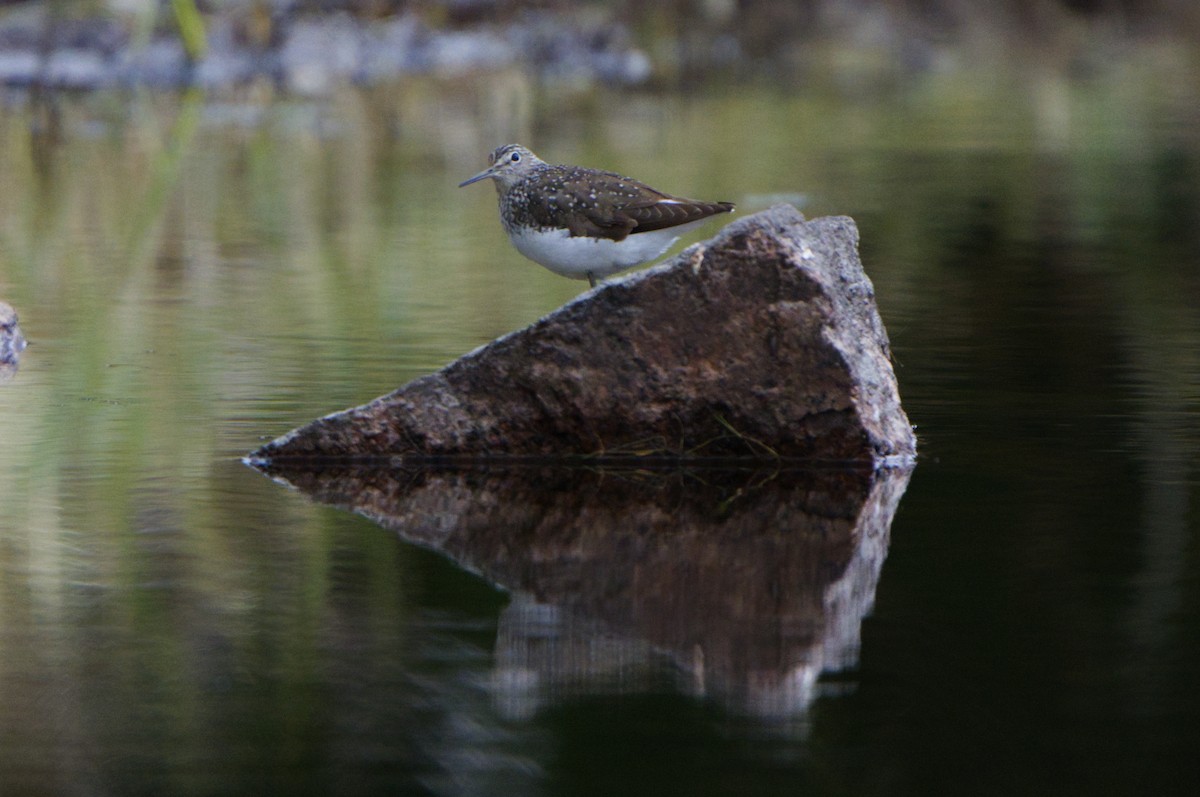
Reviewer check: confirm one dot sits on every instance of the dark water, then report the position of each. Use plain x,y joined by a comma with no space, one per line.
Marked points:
194,278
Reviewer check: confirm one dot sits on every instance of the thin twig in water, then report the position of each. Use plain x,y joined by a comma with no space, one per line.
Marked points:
745,437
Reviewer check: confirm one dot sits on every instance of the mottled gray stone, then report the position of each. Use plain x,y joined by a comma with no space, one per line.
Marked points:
77,68
160,63
318,54
393,47
12,342
763,342
19,67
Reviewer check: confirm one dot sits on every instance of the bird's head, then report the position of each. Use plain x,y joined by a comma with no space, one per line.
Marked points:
510,164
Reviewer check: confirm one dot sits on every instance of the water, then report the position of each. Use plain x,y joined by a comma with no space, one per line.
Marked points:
196,278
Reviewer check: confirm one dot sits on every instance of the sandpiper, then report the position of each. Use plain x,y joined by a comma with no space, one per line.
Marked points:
586,223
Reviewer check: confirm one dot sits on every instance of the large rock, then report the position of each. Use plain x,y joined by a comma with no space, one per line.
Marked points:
763,342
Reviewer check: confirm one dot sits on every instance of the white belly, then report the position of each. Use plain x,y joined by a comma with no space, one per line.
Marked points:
577,256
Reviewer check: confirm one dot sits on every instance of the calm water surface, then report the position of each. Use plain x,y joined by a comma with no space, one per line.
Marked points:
197,277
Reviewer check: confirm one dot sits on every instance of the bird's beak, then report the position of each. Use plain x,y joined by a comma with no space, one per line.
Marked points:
488,172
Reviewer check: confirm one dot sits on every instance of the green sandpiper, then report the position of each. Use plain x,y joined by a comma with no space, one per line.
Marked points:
586,223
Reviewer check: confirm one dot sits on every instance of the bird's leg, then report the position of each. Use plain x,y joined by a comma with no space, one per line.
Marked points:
591,280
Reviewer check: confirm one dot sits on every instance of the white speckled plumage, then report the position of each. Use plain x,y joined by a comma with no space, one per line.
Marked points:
577,256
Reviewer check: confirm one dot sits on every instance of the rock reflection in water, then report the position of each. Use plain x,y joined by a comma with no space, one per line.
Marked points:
750,583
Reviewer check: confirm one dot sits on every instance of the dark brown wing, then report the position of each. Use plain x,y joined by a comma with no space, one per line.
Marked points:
672,212
607,205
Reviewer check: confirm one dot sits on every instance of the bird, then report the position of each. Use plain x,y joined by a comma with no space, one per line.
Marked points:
585,223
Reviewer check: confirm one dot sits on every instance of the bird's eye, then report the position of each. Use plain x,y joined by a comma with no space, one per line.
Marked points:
516,156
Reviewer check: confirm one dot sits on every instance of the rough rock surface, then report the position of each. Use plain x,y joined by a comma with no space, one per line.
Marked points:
763,342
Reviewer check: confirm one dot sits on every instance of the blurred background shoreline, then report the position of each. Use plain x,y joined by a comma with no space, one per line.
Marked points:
311,47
